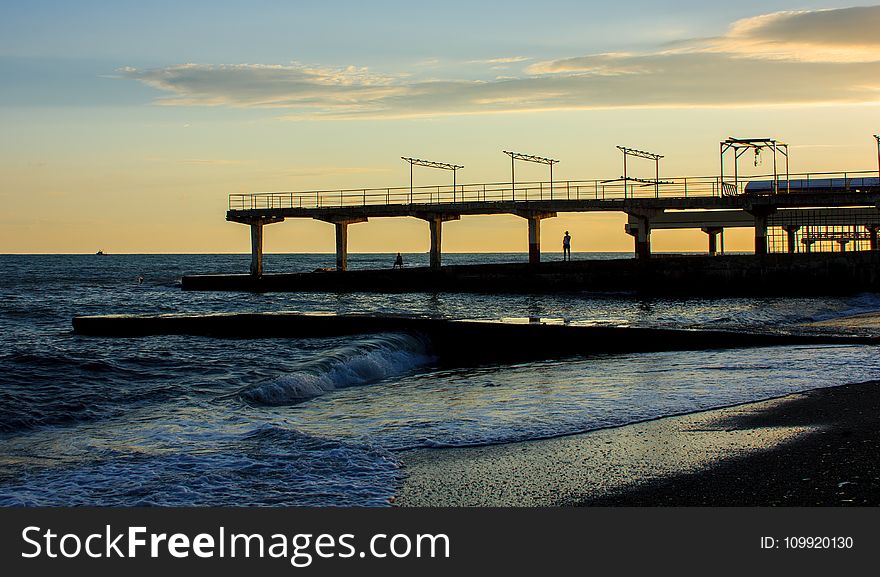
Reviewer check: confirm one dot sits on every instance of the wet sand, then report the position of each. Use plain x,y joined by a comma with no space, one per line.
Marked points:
821,447
866,321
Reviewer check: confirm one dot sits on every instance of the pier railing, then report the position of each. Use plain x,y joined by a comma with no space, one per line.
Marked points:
681,187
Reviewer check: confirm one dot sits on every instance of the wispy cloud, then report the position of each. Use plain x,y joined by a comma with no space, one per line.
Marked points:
802,57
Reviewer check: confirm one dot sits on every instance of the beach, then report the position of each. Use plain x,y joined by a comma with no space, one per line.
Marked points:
813,448
806,449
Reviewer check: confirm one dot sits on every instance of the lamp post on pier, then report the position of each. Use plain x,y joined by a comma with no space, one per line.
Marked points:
430,164
528,158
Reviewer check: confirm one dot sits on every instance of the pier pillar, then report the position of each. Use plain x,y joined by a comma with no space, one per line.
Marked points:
760,213
435,224
791,241
341,224
257,249
641,230
256,225
643,238
808,245
436,227
760,235
534,240
534,219
341,245
872,235
713,233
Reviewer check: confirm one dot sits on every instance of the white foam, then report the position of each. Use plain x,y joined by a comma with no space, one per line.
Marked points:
370,360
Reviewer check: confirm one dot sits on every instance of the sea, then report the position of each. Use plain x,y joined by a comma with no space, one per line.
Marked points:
197,421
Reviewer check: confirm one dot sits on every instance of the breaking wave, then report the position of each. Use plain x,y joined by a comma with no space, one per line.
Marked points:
369,360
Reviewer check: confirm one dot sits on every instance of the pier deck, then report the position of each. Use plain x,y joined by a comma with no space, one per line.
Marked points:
712,205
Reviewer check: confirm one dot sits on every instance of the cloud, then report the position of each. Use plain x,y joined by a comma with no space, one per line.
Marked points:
803,57
841,35
265,85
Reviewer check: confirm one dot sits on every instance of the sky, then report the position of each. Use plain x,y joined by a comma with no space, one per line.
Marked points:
125,125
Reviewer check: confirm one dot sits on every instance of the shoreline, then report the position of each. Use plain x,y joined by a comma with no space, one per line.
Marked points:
817,447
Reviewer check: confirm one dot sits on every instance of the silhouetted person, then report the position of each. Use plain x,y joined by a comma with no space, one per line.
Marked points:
566,246
398,262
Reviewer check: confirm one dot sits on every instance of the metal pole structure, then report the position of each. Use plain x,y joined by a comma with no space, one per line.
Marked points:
657,178
512,180
735,171
775,175
877,137
430,164
787,173
721,182
641,154
529,158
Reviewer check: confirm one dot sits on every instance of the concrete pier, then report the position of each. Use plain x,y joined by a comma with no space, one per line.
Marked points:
435,226
341,224
641,231
256,224
688,203
534,219
712,233
760,215
257,249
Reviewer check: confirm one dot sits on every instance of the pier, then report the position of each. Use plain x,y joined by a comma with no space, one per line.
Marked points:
708,204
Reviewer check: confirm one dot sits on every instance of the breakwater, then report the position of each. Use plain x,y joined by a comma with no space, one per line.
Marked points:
452,341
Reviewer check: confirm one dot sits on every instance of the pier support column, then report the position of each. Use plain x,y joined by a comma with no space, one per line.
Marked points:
760,213
760,235
534,220
341,245
341,224
872,235
256,225
435,224
808,245
436,227
641,230
257,249
791,241
713,239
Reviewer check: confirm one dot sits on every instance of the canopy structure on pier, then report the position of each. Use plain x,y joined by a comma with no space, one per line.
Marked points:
738,147
514,156
649,156
430,164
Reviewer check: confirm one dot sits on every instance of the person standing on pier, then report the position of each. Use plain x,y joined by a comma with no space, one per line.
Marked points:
566,246
398,262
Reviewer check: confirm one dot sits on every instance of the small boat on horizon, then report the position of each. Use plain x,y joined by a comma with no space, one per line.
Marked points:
100,253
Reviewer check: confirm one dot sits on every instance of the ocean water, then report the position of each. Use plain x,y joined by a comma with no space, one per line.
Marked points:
178,420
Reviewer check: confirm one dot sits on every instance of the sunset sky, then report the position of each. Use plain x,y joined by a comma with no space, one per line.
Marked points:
126,124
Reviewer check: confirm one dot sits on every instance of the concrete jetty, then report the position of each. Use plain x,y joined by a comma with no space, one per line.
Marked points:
453,341
698,275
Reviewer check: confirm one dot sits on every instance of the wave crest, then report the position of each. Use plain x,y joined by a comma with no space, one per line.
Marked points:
369,360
